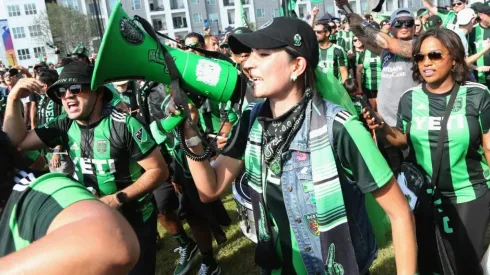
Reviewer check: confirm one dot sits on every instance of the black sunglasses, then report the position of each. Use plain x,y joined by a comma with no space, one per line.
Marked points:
407,23
355,40
74,89
320,32
457,4
434,56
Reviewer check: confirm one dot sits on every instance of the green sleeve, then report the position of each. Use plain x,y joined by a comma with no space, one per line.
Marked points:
139,143
54,193
360,58
360,158
484,111
341,57
116,97
54,132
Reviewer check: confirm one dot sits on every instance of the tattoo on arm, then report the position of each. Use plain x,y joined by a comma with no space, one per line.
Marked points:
404,48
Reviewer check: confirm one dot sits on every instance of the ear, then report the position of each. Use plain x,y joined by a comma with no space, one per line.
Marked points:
300,66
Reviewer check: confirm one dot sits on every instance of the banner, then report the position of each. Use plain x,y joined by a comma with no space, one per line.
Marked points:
8,42
241,19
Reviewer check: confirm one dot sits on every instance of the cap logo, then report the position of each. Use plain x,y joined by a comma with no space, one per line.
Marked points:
297,40
266,24
131,32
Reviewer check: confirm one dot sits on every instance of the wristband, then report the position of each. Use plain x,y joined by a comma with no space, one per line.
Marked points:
193,141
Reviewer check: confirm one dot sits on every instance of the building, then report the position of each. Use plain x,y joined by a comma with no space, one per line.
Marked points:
19,16
174,18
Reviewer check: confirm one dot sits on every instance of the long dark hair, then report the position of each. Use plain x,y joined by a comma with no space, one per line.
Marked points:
451,41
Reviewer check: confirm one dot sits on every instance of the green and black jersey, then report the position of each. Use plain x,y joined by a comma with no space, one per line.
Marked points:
33,205
47,110
332,58
213,113
371,74
360,159
475,45
105,154
464,168
345,40
449,18
333,38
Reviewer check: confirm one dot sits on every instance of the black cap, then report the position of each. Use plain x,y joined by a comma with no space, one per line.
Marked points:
481,7
279,32
12,72
434,21
76,72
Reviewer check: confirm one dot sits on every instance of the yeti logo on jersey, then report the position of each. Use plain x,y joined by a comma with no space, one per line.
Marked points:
86,166
140,135
458,104
101,146
434,123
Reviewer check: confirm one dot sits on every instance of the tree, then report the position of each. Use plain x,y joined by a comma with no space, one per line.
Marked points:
68,27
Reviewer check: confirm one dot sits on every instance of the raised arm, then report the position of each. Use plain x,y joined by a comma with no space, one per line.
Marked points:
377,41
428,5
473,58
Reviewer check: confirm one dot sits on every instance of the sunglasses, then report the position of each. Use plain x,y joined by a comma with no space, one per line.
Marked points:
457,4
434,56
193,45
320,32
355,40
407,23
74,89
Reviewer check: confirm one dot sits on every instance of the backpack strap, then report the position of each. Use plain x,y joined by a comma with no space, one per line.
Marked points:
254,113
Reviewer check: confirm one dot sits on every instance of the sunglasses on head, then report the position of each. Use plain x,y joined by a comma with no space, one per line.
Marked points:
407,23
434,56
74,89
457,4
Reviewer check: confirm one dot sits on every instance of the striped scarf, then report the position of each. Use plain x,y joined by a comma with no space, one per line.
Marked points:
337,251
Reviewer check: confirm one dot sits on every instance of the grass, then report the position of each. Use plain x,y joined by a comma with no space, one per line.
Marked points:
236,256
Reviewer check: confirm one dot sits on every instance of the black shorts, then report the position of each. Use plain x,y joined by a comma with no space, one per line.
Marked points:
462,234
370,93
166,198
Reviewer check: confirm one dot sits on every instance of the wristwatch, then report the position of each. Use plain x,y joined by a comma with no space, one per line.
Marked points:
193,141
122,198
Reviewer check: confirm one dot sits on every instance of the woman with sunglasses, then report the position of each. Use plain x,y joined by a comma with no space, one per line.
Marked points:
439,65
292,169
449,16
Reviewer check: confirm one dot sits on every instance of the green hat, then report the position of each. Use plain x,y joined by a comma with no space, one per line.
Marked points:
77,72
80,50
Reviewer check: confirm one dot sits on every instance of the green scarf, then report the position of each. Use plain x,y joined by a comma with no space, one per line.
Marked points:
337,251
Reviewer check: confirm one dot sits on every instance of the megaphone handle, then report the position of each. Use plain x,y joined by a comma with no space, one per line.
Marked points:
171,122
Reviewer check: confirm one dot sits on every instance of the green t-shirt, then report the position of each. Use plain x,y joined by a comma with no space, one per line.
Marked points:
331,59
475,45
464,168
361,162
33,205
449,18
344,40
105,154
212,113
371,73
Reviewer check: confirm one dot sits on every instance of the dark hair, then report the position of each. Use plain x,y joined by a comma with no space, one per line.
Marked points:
326,26
453,43
200,38
308,77
48,77
350,85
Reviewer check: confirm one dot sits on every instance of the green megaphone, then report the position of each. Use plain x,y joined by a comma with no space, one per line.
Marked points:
128,52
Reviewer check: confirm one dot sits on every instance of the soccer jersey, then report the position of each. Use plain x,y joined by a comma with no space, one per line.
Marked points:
475,44
33,205
464,168
371,74
344,40
104,154
47,110
449,18
331,59
213,113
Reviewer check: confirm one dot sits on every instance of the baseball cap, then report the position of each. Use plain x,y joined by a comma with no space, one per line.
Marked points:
276,33
401,12
422,12
238,30
481,7
76,72
465,15
434,21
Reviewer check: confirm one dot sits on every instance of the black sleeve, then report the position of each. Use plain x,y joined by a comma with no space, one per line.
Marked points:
241,129
54,132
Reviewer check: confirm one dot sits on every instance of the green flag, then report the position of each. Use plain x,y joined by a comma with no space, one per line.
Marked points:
240,15
287,8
